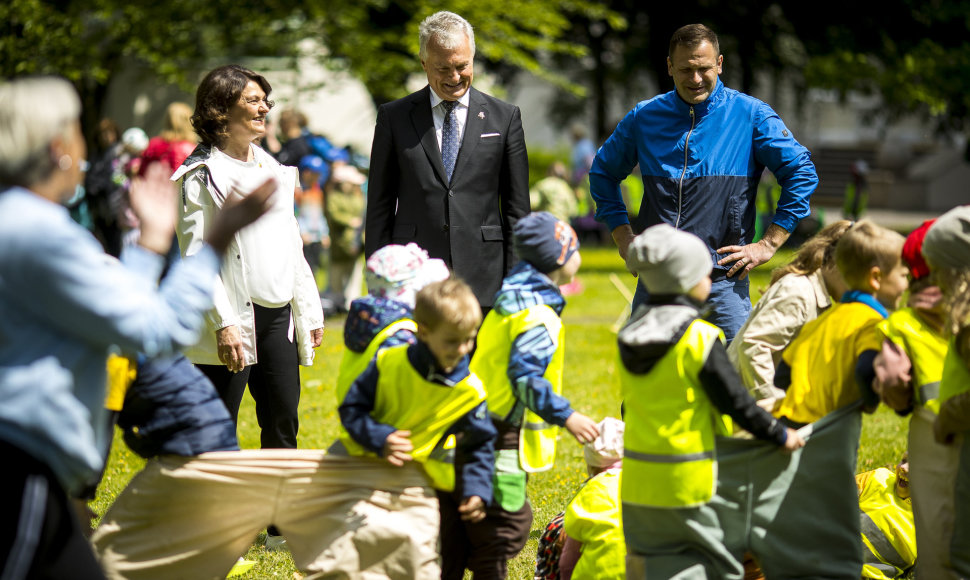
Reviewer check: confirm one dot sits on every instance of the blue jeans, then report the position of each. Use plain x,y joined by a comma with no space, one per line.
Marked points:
730,304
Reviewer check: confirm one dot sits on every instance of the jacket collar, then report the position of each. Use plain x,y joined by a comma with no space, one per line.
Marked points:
867,299
822,298
423,124
524,287
423,361
703,108
474,124
198,157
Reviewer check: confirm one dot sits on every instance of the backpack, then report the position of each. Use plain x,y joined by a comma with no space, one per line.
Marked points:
550,548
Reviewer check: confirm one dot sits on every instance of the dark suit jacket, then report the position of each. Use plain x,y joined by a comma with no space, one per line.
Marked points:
467,223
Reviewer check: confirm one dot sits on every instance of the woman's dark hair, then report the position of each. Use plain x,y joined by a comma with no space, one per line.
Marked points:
219,90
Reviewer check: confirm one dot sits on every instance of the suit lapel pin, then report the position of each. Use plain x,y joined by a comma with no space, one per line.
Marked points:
481,115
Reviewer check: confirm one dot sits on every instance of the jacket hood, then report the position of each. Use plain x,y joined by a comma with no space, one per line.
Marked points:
524,287
652,331
368,316
198,157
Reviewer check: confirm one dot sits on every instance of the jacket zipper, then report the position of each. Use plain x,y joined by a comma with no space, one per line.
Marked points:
680,186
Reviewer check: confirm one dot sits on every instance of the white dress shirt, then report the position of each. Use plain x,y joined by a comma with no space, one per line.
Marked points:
438,114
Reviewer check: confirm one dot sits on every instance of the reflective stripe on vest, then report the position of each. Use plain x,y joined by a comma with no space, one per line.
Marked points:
926,350
669,455
407,401
537,439
881,553
887,526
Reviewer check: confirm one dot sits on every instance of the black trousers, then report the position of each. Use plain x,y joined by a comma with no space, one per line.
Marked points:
40,535
274,382
485,547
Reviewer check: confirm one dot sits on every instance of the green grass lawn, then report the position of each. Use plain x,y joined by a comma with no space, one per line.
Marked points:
590,383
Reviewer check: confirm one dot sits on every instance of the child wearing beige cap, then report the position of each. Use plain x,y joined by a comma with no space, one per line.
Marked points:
677,386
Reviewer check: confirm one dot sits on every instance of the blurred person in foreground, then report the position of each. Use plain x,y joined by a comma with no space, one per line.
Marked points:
267,317
63,304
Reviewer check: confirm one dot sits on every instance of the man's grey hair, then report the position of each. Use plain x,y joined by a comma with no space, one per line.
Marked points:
33,111
448,31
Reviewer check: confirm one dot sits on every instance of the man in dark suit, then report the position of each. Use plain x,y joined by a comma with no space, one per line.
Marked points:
449,169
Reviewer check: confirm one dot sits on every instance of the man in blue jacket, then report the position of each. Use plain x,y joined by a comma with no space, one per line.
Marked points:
701,151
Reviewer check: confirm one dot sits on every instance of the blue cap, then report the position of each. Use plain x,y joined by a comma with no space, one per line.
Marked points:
544,241
336,154
313,163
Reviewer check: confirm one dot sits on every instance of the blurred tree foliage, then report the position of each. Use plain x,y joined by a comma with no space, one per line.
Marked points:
378,39
90,42
914,53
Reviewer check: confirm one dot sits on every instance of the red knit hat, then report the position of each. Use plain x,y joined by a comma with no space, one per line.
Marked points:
912,251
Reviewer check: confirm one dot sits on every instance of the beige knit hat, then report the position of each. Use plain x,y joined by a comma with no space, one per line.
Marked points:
668,260
947,243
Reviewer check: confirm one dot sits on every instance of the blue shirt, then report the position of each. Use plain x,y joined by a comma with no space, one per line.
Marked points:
63,304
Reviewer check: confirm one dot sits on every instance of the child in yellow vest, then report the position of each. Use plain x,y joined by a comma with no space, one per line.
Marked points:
908,372
519,357
383,317
947,251
594,545
806,521
828,363
888,531
677,386
412,398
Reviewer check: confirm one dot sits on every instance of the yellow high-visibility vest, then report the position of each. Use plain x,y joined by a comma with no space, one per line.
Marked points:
668,446
353,364
956,375
409,402
537,439
926,349
121,373
888,529
594,518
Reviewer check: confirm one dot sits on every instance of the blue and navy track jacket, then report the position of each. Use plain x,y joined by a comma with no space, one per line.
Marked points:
701,165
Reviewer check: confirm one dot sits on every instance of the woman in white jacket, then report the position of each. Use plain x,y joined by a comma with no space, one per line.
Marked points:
267,317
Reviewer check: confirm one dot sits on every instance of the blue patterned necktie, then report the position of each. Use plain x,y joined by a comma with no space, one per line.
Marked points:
449,138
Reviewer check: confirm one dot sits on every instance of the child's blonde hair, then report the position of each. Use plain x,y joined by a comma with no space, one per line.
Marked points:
955,284
863,246
449,301
818,251
178,123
